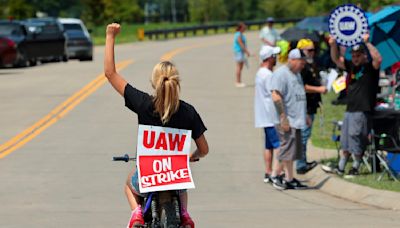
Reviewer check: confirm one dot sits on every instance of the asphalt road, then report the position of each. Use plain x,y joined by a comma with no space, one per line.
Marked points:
59,173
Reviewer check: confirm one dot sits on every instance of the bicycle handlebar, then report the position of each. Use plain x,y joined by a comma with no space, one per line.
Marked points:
124,158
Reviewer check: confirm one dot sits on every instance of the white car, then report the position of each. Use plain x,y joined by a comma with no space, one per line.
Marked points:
79,42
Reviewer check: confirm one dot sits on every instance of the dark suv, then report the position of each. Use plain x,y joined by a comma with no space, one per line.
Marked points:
35,40
49,37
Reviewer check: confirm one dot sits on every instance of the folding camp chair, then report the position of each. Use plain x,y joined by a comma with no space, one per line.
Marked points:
381,153
386,127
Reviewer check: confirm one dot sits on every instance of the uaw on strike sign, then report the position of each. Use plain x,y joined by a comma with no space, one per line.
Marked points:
163,159
348,24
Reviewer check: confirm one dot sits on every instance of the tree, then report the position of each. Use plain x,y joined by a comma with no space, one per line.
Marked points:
207,10
19,9
107,11
93,12
122,11
238,10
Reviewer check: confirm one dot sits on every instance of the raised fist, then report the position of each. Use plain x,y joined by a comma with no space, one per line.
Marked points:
113,29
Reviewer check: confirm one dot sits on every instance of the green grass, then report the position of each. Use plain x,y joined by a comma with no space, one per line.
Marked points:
129,31
371,181
322,127
368,179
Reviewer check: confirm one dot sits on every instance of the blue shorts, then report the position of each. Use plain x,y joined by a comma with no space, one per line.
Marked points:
271,138
135,184
239,57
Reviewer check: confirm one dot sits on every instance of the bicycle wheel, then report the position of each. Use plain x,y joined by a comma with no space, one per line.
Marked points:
168,217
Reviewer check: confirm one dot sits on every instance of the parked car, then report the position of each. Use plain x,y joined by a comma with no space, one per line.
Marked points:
8,51
79,42
34,40
49,37
16,37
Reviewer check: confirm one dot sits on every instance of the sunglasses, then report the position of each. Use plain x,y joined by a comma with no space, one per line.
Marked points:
310,50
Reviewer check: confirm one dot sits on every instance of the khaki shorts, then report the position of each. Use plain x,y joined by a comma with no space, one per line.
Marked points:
291,146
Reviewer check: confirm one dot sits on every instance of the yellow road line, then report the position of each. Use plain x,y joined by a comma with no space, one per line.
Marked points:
62,109
56,114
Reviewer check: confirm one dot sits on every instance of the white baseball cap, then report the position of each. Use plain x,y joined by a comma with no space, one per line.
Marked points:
297,54
267,51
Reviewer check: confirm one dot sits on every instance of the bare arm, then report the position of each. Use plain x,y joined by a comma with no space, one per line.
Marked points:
375,55
335,54
278,102
267,42
242,46
202,148
315,89
116,80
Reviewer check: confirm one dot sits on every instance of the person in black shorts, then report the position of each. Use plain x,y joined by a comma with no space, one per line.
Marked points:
362,88
161,109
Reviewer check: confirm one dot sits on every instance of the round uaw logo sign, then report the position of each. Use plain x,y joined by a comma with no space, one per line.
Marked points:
348,24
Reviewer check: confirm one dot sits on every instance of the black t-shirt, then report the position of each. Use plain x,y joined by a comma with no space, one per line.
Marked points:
310,76
362,87
142,104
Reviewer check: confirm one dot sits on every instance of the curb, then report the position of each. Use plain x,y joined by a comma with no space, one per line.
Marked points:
335,186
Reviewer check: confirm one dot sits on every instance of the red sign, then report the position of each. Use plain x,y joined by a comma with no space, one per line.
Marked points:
163,159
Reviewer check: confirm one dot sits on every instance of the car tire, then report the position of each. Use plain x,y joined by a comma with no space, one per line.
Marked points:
33,62
65,58
88,58
22,61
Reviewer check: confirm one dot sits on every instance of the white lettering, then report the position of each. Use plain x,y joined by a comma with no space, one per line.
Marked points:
347,26
167,164
164,165
165,177
157,166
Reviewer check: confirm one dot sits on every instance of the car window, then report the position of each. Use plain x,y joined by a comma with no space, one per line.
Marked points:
73,27
10,30
50,28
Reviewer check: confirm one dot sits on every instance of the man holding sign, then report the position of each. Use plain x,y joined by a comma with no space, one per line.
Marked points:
362,88
166,125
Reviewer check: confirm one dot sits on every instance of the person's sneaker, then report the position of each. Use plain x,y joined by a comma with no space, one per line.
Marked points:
353,172
312,164
330,169
267,178
308,167
136,217
278,183
186,221
339,171
240,84
295,184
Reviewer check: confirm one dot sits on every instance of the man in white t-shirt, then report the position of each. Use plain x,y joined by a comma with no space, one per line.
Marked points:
265,114
268,35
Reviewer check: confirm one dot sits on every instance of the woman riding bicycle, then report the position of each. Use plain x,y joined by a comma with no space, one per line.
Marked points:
161,109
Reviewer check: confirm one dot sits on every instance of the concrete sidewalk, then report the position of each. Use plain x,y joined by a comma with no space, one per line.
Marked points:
333,185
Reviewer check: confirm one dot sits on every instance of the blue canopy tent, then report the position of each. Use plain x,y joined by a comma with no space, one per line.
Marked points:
385,34
319,24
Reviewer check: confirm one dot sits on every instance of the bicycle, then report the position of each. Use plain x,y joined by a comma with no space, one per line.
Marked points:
161,209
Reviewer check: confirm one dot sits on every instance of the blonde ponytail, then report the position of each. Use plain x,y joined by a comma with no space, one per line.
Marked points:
165,81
